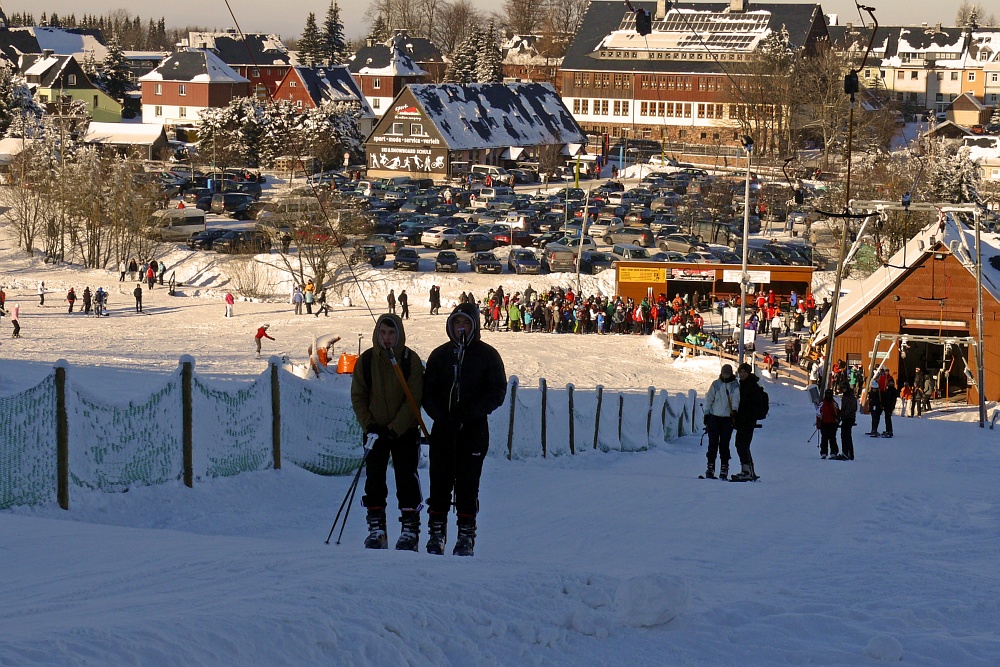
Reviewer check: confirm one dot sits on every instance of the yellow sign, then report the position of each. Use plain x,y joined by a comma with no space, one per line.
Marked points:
628,274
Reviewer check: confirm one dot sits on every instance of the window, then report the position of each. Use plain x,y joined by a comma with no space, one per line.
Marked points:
376,103
298,104
914,74
182,89
881,73
584,106
182,112
704,135
293,84
993,97
376,83
95,101
618,108
576,106
681,134
604,107
938,97
701,111
417,129
43,98
972,76
899,74
397,128
71,80
687,110
158,111
157,88
868,74
954,76
256,72
939,76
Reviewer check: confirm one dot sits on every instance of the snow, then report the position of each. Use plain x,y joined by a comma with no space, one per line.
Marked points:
63,42
605,557
117,133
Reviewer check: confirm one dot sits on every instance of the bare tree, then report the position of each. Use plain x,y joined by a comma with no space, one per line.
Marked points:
522,17
250,277
454,24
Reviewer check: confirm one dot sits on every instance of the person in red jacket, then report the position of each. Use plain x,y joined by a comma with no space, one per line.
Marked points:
827,421
261,333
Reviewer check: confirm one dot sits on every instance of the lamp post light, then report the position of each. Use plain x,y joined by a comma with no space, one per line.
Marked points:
744,276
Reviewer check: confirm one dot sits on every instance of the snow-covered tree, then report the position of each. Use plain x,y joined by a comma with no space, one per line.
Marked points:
335,49
19,112
310,45
113,78
489,68
232,135
380,30
953,175
465,59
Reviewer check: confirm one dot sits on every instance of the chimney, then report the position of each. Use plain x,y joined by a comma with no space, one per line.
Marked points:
849,26
737,5
661,10
937,27
370,42
47,53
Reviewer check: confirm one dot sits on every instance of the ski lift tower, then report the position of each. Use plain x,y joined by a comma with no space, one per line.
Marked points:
879,208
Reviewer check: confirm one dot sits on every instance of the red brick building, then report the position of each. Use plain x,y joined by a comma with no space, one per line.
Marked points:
261,58
187,82
309,87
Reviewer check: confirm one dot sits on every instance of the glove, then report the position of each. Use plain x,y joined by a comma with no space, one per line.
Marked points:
705,420
382,432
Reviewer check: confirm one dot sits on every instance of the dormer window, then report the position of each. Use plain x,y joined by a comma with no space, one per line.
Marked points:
157,88
376,83
292,84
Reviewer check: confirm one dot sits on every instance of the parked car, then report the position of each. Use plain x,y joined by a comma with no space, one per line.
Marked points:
408,259
485,262
475,242
573,244
548,237
604,226
446,260
702,257
372,253
243,241
390,242
641,236
676,243
523,261
667,256
512,237
629,251
595,261
204,240
440,237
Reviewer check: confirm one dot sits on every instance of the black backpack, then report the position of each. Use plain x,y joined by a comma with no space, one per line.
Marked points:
763,404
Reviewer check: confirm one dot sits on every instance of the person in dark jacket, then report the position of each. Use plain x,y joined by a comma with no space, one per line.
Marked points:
848,417
746,421
827,420
889,397
874,405
464,382
383,408
137,293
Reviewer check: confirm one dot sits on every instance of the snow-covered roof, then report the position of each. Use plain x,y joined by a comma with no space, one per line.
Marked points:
76,42
41,66
333,84
523,50
257,49
138,134
401,62
196,66
943,231
11,147
496,115
48,69
376,57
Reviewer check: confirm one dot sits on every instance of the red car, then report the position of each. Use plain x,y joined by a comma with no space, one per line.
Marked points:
517,237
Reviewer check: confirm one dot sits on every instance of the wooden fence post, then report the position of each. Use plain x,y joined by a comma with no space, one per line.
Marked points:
187,418
62,436
649,411
543,385
275,413
510,423
597,418
572,443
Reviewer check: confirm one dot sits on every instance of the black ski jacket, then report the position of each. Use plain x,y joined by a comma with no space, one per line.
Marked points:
481,386
746,413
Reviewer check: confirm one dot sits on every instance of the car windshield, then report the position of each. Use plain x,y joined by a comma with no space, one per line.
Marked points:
447,254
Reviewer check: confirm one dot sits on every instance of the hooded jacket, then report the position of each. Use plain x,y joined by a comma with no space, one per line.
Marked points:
480,387
723,398
746,414
384,403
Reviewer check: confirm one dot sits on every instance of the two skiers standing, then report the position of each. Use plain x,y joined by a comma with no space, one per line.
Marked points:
721,403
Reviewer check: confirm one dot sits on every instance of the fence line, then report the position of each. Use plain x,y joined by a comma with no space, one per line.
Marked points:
189,429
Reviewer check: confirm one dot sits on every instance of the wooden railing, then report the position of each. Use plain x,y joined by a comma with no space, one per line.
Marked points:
784,370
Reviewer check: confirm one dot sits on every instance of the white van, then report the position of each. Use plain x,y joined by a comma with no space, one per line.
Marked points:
367,188
498,174
483,197
177,224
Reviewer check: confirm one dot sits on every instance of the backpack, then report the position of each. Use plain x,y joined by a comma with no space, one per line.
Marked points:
763,404
366,364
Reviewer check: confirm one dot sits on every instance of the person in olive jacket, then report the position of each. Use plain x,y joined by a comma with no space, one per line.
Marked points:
383,408
465,381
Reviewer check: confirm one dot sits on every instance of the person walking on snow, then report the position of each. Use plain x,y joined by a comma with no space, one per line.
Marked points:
41,292
15,319
71,299
827,421
721,403
87,300
464,382
383,408
746,421
391,301
137,293
889,397
404,305
848,417
261,333
230,302
122,267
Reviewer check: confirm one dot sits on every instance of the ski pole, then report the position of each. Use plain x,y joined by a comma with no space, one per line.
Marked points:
815,431
349,497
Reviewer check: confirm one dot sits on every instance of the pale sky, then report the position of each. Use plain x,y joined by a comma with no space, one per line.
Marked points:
288,18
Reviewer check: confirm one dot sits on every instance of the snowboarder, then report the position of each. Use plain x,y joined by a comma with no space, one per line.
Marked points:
383,407
464,382
137,293
230,302
721,403
746,421
261,333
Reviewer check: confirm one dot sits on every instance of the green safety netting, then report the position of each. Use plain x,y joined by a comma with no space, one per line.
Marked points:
232,428
28,446
319,431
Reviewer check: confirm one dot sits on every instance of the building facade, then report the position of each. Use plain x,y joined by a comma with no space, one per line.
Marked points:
383,70
56,80
261,58
309,87
187,82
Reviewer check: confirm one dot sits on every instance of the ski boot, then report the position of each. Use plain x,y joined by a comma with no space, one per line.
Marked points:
465,545
724,471
437,533
410,533
746,474
376,529
709,471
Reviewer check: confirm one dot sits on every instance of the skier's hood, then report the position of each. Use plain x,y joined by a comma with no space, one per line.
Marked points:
470,311
400,333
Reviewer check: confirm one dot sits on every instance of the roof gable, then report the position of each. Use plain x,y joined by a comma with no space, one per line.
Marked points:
63,41
332,84
195,66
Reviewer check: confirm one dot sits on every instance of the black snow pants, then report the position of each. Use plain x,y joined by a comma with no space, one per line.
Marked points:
720,431
405,452
456,463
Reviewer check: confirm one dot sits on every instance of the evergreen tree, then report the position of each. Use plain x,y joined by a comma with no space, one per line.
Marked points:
465,59
954,176
18,109
489,68
380,30
335,49
114,79
310,46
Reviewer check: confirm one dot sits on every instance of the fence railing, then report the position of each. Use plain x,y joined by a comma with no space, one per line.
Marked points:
60,435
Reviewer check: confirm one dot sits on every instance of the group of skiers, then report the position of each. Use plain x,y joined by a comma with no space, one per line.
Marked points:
93,302
148,271
733,404
309,295
464,382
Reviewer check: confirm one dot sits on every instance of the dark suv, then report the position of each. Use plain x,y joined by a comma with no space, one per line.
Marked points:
243,241
234,204
372,253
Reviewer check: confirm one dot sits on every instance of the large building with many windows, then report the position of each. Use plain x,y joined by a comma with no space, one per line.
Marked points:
675,84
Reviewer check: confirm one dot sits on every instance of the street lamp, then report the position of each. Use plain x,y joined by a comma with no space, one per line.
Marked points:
744,276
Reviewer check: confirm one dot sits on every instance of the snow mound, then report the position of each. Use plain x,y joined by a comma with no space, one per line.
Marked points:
884,648
651,599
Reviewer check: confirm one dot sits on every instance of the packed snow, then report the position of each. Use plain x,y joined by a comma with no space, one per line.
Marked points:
599,558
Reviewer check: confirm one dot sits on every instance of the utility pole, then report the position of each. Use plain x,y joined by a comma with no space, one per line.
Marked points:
744,276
